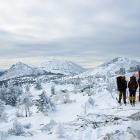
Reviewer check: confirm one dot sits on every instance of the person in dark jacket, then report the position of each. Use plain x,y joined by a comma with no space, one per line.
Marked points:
132,85
122,90
139,84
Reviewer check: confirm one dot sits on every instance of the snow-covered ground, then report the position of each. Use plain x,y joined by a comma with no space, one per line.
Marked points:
92,113
79,120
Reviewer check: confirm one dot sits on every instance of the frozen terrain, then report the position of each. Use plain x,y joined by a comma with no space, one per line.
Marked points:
86,108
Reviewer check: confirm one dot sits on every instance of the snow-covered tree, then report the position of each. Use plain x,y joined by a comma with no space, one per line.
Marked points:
38,85
3,115
27,88
10,93
44,103
24,102
53,90
3,92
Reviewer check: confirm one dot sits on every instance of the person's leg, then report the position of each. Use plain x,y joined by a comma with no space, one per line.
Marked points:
130,97
124,96
120,96
139,94
134,97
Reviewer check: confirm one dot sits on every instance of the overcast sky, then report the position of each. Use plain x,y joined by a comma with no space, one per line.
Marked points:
87,32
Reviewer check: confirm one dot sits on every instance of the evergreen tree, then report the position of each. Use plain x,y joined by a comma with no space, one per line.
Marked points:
38,85
44,103
53,90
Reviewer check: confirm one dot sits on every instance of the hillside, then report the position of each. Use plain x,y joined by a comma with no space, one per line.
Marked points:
85,108
113,67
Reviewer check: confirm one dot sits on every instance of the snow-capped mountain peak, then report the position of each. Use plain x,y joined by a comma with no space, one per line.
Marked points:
18,69
113,66
61,67
54,66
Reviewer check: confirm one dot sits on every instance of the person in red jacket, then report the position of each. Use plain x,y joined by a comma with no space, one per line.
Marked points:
139,88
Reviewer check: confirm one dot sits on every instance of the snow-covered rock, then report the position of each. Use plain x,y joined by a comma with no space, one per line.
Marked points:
135,129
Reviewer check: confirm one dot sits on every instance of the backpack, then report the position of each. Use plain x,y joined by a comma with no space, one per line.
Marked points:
139,74
121,83
133,84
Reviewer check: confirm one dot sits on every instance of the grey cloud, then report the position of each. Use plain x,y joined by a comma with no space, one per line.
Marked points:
82,31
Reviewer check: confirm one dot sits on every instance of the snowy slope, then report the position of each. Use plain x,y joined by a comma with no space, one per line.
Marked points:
81,119
61,67
112,67
19,69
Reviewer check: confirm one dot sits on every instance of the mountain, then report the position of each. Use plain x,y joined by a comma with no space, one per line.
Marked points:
61,67
113,66
17,70
54,67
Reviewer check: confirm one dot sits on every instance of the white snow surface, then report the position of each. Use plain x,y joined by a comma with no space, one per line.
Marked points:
104,120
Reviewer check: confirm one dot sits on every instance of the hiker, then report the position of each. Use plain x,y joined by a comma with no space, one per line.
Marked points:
122,86
139,89
139,85
132,85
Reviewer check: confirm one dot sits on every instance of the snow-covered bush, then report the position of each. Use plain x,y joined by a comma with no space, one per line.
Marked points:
19,113
60,131
62,98
3,135
27,126
49,126
110,85
17,129
91,101
108,136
